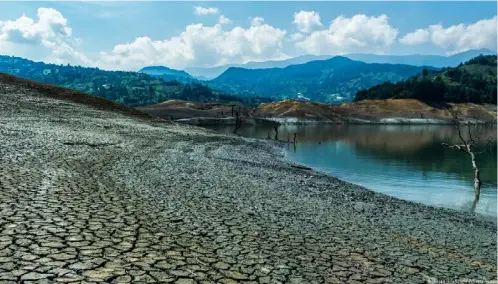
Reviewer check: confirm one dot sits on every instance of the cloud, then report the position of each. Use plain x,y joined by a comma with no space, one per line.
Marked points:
200,45
307,21
51,25
222,20
457,38
202,11
296,36
417,37
50,32
345,35
257,21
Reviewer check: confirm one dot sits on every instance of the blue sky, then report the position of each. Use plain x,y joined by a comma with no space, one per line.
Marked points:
126,36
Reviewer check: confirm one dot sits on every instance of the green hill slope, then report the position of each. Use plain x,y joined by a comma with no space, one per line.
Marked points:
127,88
474,81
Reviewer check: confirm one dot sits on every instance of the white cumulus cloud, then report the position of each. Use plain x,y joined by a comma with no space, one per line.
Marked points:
307,21
360,33
296,36
257,21
200,45
417,37
203,11
48,35
457,38
224,20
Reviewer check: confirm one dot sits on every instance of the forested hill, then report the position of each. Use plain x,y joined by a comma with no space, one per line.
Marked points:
127,88
474,81
168,74
330,81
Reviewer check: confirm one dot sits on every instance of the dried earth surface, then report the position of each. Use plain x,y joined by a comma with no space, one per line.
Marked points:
91,192
389,111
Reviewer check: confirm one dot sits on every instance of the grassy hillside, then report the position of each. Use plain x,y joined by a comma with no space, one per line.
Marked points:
127,88
331,81
474,81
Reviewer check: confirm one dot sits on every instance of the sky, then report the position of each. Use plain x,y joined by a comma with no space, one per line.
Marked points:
131,35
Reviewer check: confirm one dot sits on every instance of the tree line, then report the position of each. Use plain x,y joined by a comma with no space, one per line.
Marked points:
473,81
128,88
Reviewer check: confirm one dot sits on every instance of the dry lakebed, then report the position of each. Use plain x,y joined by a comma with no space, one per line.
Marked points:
93,192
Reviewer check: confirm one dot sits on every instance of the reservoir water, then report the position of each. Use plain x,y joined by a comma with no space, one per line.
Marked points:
404,161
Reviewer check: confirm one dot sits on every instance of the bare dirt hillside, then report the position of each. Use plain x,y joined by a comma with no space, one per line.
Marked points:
178,109
376,111
8,81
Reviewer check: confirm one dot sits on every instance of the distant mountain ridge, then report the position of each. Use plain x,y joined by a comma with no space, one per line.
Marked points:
207,73
330,81
167,74
422,60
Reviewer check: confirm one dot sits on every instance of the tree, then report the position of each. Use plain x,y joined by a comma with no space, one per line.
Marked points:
468,147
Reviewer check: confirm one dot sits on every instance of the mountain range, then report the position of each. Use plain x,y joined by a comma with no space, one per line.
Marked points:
317,78
208,73
333,80
330,80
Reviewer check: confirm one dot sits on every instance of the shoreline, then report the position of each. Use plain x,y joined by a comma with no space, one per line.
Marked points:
288,160
99,195
255,121
381,121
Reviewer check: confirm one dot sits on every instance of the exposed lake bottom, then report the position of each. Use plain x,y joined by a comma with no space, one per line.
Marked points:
406,162
111,198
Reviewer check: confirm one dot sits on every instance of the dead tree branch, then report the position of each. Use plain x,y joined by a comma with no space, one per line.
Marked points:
468,147
238,121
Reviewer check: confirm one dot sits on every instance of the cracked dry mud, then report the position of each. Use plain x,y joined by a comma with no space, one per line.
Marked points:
89,195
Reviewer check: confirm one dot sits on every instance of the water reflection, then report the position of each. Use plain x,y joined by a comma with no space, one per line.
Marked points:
408,162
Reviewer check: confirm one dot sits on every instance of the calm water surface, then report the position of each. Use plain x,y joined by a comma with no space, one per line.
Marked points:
407,162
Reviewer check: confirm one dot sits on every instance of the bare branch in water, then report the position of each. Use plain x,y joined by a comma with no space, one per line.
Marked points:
467,147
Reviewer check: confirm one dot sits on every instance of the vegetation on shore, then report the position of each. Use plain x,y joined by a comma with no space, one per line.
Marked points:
474,82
